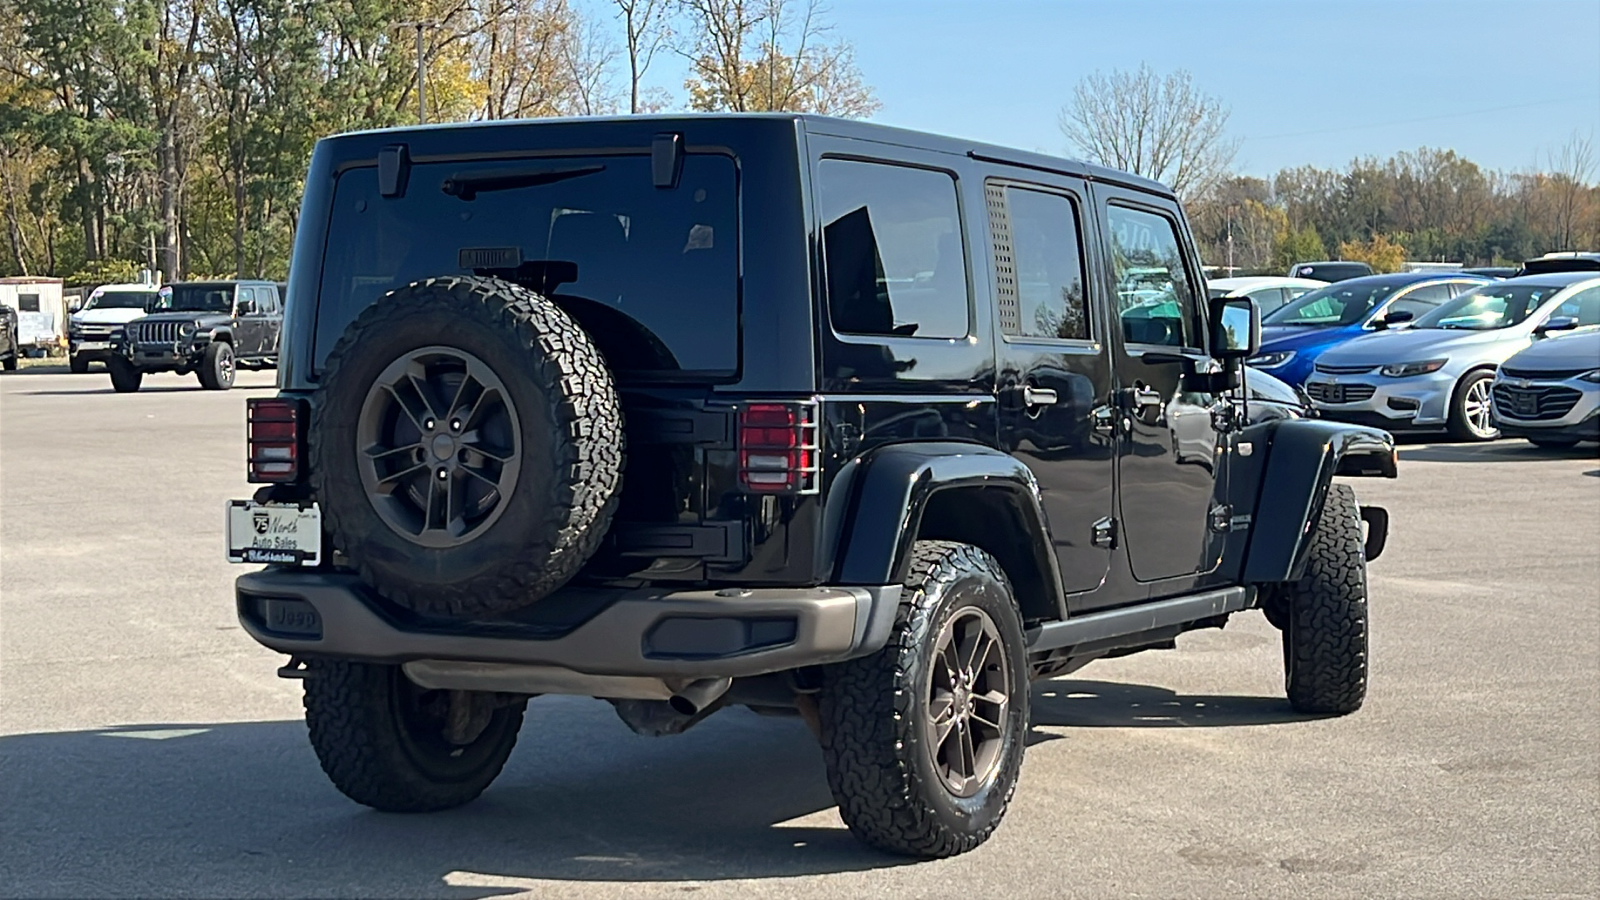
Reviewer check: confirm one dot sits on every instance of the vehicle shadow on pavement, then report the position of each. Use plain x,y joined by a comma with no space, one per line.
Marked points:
1102,704
243,809
1508,450
151,389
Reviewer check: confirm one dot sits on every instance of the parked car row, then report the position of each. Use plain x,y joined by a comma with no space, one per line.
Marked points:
1431,351
209,328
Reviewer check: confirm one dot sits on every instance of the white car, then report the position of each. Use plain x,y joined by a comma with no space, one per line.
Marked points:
96,329
1268,291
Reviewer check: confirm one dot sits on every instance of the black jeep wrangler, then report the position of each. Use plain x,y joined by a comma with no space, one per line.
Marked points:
814,417
210,328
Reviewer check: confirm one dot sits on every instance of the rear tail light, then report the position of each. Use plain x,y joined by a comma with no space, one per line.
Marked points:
778,448
273,439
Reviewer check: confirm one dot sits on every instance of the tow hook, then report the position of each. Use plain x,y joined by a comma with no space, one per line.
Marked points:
1377,520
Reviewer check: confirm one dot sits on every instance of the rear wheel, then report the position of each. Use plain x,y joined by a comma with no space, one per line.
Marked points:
394,746
1470,416
923,740
216,370
125,378
1325,615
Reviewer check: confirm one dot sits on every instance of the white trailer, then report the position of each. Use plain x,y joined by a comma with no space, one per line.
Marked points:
41,314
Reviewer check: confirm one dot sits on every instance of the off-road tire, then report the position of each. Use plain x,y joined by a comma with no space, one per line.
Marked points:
378,754
1325,641
125,377
77,365
10,363
217,369
1545,443
1456,423
571,428
872,714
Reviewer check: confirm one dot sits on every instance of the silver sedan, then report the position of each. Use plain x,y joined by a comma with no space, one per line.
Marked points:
1436,373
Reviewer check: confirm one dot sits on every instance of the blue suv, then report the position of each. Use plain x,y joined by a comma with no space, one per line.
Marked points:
1293,336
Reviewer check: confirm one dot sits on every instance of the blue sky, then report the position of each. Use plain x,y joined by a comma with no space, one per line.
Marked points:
1308,81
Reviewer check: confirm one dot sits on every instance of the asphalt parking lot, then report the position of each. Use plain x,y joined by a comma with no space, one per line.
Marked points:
146,748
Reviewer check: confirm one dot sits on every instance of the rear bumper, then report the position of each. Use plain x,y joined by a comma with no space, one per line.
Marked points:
730,632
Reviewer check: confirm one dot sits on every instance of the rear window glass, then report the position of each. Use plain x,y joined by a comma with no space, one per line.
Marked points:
656,270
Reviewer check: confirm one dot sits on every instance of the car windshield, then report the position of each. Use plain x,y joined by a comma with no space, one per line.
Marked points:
1336,304
196,298
1488,307
119,300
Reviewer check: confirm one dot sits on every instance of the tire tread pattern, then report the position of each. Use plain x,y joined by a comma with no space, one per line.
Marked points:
1327,633
587,444
870,732
353,733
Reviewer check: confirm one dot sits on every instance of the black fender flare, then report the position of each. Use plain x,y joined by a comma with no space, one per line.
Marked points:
1303,455
893,487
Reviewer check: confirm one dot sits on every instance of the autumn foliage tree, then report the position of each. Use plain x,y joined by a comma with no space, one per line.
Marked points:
770,56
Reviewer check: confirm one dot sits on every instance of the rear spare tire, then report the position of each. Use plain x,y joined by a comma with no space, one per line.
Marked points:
467,446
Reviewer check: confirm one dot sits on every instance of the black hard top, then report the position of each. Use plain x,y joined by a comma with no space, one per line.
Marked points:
813,124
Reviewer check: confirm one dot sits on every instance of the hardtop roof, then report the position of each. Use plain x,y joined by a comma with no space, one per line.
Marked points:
821,125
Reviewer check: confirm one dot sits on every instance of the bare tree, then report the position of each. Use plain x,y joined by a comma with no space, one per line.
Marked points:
771,55
1570,169
1159,127
648,28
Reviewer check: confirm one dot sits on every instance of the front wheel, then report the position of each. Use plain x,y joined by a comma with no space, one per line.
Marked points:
391,745
1471,418
1325,615
923,740
125,377
216,368
77,364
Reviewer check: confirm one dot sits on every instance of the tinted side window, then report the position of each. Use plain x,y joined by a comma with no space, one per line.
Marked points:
1421,300
1267,299
893,251
1153,295
1583,306
1049,265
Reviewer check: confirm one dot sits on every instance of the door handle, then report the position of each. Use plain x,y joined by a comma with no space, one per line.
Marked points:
1144,398
1036,396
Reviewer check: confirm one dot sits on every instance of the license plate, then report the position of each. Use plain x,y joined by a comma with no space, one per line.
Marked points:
94,345
274,533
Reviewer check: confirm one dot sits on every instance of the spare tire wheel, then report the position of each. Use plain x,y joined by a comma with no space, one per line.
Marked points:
466,447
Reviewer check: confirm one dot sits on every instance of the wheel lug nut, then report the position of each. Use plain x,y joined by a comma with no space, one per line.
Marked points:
429,424
455,424
443,473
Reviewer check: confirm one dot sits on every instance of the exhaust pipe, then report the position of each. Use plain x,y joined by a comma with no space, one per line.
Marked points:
695,696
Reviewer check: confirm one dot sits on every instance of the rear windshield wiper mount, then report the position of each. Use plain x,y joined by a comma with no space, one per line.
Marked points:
471,184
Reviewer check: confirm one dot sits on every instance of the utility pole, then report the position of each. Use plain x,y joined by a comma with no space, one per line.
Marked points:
422,98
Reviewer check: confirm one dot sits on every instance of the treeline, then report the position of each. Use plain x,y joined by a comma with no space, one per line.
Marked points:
1427,205
174,134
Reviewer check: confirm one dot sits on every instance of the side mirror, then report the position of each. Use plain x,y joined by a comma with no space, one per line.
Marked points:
1557,323
247,308
1235,328
1392,318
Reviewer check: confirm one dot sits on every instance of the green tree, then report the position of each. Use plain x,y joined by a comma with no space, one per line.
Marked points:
1301,245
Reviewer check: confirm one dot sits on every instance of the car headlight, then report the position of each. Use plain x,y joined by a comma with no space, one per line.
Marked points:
1403,370
1592,376
1271,360
188,328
